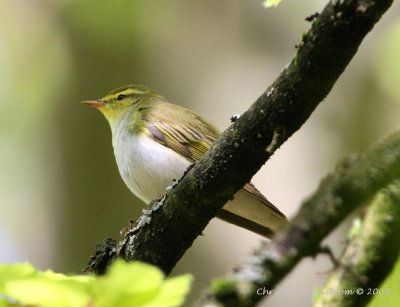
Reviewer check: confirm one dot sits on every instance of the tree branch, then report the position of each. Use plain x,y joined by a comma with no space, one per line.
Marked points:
354,180
169,228
370,255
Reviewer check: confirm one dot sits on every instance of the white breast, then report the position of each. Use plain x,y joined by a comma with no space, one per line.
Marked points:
146,166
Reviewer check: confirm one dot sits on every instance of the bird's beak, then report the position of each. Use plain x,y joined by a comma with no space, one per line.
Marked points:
94,103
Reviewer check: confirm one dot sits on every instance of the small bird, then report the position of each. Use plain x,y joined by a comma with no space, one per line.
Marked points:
155,142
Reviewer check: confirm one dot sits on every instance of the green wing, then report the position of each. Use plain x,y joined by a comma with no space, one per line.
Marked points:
180,129
191,136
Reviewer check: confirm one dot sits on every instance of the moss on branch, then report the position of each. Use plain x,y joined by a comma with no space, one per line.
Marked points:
369,256
350,185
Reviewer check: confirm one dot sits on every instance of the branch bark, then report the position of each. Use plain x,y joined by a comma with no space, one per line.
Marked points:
370,255
354,180
169,228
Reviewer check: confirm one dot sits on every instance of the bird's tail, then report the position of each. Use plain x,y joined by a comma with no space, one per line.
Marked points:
251,210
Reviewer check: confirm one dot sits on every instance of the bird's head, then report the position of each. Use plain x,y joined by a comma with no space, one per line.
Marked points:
121,100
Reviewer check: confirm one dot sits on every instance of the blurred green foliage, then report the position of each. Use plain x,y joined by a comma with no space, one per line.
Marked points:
269,3
126,284
388,292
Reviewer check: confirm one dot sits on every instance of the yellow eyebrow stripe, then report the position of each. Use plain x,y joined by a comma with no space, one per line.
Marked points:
130,90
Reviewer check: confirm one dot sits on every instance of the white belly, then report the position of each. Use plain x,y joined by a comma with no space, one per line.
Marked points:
146,166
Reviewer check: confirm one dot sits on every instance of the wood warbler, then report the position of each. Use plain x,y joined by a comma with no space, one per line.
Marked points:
155,142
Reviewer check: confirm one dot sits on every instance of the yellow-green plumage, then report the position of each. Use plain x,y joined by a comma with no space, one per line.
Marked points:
155,141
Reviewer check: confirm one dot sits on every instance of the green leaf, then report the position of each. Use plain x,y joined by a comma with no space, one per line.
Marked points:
135,283
174,292
22,283
138,284
10,272
126,284
270,3
43,291
14,271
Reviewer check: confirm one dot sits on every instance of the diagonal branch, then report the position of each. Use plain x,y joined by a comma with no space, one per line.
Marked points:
170,227
352,183
370,255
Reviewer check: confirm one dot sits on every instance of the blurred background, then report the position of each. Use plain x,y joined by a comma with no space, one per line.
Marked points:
60,191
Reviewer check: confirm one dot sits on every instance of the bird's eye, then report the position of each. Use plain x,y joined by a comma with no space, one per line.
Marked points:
120,97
